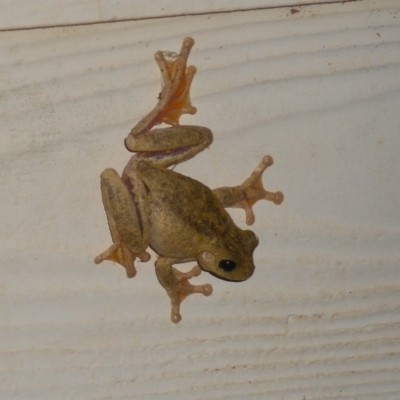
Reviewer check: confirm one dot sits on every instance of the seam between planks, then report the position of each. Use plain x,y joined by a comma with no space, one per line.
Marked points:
112,21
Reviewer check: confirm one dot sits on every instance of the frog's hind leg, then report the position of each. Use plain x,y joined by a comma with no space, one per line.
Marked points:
182,143
127,219
249,192
174,99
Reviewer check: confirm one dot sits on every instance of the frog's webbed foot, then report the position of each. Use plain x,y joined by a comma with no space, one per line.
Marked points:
177,78
177,286
120,254
183,289
253,190
249,192
174,99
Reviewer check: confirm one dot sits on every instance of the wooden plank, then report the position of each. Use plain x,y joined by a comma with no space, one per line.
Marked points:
20,14
320,319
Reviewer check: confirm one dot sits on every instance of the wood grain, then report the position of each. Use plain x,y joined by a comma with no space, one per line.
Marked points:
319,90
22,14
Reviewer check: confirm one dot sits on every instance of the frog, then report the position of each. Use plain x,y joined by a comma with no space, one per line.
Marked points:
150,205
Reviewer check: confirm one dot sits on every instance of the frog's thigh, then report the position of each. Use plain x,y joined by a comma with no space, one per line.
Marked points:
172,145
128,220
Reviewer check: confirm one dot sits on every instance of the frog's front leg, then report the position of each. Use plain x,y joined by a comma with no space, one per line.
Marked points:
249,192
176,283
126,209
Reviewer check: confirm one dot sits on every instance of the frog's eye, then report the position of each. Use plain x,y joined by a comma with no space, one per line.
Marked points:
227,265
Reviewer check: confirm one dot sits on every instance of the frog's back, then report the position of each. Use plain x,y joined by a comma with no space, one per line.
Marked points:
185,215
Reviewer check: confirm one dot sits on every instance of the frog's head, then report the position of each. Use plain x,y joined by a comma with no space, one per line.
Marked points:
231,258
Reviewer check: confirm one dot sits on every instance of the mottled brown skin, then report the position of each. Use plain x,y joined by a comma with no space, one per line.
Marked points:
180,218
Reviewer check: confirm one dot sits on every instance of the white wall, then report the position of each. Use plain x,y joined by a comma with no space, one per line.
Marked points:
319,91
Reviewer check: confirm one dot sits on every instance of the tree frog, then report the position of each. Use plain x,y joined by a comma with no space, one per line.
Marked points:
180,218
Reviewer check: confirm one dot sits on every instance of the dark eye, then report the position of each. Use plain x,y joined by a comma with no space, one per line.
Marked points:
227,265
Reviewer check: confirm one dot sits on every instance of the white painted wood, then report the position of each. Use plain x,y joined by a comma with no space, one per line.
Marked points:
318,90
17,14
